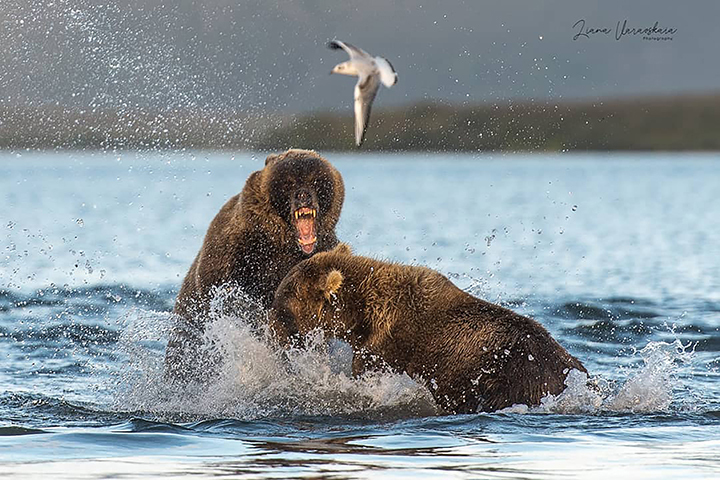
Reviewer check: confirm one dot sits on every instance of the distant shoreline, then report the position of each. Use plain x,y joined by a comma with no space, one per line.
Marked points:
677,123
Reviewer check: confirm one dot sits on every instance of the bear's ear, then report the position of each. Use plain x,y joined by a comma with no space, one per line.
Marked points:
271,158
342,249
332,283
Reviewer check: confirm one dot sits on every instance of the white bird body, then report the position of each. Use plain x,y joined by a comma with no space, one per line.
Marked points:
370,72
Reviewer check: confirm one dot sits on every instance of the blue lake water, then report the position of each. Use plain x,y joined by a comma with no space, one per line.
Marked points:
618,256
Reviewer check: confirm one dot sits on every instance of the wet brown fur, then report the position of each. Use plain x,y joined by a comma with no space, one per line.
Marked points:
472,355
251,243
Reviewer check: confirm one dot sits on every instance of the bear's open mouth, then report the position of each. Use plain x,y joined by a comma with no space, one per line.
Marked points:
305,224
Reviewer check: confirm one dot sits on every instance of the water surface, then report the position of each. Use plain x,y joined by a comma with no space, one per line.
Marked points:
618,256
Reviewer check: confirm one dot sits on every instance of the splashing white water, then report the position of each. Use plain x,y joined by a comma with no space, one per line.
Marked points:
651,389
257,378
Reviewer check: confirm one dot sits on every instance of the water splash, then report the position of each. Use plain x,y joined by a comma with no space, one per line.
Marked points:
256,378
651,389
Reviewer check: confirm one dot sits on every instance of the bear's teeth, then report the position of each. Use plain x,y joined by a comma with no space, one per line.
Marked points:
305,211
307,242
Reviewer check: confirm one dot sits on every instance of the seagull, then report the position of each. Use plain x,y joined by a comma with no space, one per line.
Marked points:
370,72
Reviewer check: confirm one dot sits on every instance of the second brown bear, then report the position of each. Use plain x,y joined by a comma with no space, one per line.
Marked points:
472,355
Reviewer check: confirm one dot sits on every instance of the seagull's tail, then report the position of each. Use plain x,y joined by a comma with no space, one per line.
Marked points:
387,73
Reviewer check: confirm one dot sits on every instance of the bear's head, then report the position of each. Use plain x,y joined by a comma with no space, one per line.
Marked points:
306,192
310,296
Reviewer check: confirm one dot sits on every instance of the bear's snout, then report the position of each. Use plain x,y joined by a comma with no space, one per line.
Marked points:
304,198
282,324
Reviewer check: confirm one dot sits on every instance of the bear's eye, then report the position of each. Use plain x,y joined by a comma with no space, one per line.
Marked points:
280,188
324,189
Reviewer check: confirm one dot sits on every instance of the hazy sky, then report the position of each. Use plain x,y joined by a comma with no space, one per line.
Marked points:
264,56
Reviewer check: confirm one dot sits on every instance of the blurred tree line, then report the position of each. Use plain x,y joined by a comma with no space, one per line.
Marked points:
675,123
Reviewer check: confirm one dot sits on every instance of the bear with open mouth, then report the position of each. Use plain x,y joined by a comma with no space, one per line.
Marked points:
472,355
285,213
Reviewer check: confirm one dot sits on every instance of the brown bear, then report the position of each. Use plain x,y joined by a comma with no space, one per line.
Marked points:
472,355
285,213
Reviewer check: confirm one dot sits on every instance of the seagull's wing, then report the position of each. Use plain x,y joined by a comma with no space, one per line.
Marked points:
365,91
388,76
354,52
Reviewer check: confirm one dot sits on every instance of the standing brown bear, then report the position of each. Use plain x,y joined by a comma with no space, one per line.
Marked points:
285,213
472,355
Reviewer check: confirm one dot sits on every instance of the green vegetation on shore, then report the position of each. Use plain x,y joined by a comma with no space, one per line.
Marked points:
673,124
